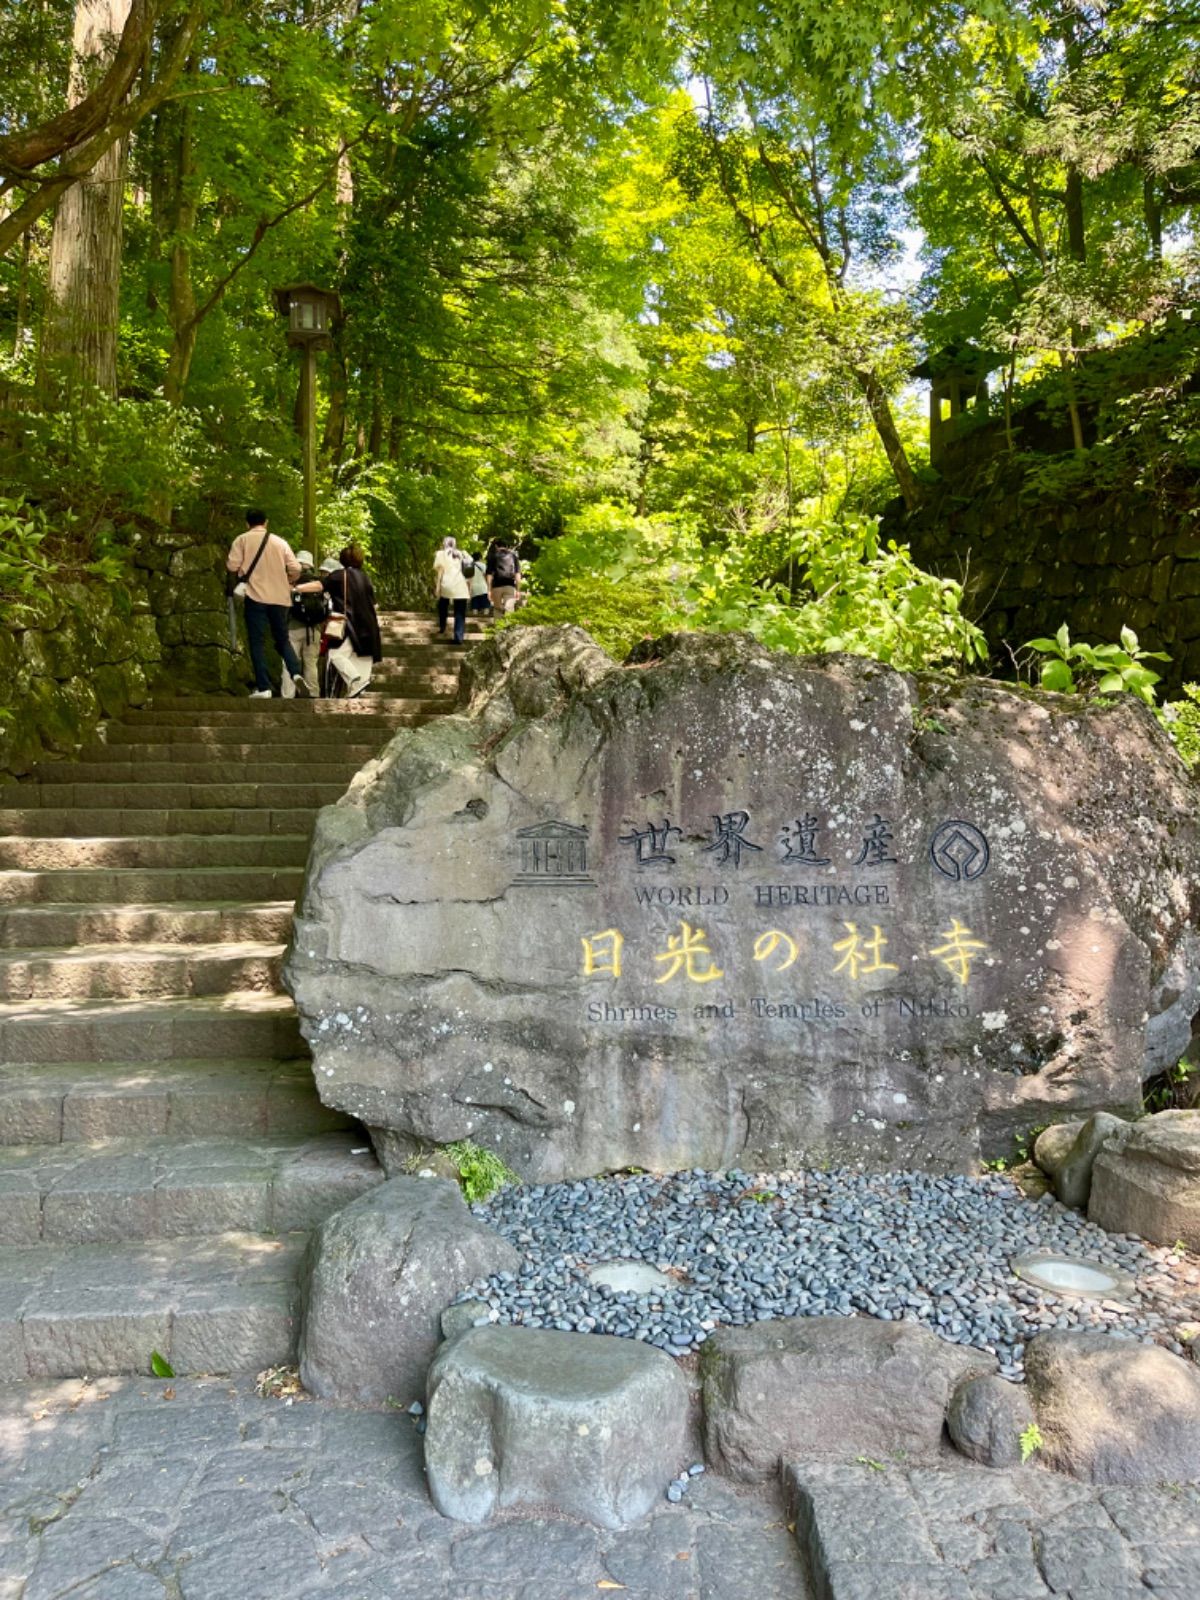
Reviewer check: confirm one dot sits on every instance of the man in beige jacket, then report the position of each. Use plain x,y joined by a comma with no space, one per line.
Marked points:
268,570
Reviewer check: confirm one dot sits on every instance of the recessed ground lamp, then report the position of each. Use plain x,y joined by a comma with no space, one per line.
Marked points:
1073,1277
631,1277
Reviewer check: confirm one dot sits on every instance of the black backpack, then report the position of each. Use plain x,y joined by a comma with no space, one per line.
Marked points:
467,563
505,567
315,608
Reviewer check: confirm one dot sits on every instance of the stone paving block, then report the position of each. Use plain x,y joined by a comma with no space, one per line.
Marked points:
146,1490
71,1554
125,1582
655,1560
513,1554
1158,1513
756,1556
249,1563
860,1580
1007,1577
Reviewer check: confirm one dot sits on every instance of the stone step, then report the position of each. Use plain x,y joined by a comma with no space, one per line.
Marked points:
122,922
234,1026
288,773
227,1303
151,888
133,1189
140,971
355,716
84,822
181,852
302,738
106,794
168,757
66,1102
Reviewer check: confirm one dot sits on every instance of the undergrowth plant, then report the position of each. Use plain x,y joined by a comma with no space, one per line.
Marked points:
480,1171
1075,668
1181,719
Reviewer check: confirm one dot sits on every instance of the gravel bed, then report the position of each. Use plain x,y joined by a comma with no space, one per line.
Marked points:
745,1248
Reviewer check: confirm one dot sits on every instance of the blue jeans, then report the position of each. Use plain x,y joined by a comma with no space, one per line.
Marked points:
260,619
460,617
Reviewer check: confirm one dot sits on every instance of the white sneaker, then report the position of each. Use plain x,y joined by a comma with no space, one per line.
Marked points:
261,694
287,685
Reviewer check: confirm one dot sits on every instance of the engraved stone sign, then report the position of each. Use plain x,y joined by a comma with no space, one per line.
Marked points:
725,906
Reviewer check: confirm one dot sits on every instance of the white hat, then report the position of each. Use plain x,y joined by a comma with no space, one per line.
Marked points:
304,557
330,565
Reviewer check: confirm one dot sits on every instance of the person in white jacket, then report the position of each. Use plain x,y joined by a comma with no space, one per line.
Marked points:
452,588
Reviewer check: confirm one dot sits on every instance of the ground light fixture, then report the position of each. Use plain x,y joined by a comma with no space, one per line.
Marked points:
1073,1277
631,1277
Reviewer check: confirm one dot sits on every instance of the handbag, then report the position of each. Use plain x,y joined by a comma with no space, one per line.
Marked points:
235,582
335,624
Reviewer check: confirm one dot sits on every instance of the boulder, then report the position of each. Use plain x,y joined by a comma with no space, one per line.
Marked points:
1073,1181
1114,1410
724,906
844,1386
986,1418
1150,1183
1053,1145
591,1425
378,1276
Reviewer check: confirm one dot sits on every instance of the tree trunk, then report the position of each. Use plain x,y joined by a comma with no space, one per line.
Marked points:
79,336
181,308
880,408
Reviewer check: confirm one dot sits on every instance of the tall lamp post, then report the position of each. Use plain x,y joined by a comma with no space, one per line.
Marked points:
310,312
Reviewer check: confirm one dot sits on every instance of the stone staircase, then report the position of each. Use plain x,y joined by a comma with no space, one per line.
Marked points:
163,1153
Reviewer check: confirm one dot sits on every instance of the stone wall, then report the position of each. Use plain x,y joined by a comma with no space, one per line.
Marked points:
80,652
1095,559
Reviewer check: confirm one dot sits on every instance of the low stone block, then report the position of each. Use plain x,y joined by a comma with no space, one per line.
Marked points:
593,1425
378,1276
1150,1184
822,1386
1114,1410
1073,1180
987,1417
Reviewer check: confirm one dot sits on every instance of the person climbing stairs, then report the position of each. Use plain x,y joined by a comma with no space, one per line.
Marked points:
163,1152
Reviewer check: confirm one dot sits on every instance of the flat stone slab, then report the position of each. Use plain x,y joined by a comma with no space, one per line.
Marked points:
882,1531
591,1425
217,1494
827,1385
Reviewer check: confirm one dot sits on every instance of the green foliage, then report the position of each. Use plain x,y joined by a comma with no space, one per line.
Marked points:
1031,1441
160,1366
624,577
1176,1089
1181,719
481,1171
1075,668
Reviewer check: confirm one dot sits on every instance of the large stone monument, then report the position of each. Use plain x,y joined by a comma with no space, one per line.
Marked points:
724,906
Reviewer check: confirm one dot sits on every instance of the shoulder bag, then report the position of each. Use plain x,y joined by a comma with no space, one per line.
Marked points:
335,624
235,582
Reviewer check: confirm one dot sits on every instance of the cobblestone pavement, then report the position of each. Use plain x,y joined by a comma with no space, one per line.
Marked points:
112,1491
132,1489
966,1533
